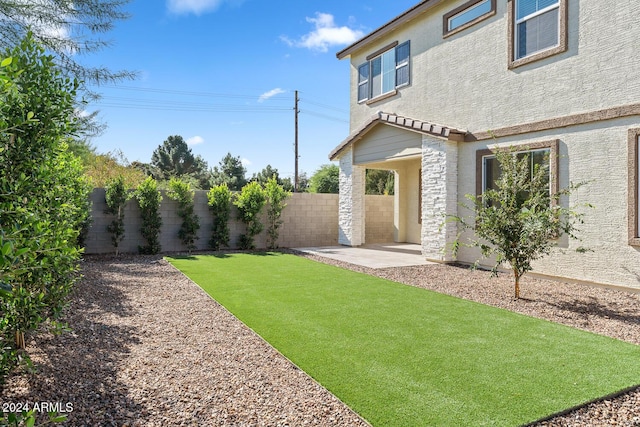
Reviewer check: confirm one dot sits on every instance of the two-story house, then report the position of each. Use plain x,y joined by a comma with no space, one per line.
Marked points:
437,89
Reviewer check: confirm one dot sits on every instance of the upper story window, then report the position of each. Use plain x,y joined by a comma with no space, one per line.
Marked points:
384,71
538,29
537,26
467,15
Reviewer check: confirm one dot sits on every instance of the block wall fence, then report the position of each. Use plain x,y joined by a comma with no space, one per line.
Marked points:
308,220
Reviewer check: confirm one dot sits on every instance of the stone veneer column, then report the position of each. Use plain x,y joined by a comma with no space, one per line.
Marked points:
351,224
439,197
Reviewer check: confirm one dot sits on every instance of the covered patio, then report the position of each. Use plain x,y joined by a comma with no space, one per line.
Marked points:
380,255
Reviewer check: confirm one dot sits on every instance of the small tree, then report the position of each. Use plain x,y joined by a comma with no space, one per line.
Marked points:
276,196
149,199
181,192
250,202
520,220
220,204
116,197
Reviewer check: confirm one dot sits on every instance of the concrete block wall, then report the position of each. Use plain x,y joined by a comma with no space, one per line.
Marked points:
378,218
308,220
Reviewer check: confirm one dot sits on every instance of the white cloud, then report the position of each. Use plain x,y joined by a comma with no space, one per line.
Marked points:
195,140
198,7
325,35
245,162
270,94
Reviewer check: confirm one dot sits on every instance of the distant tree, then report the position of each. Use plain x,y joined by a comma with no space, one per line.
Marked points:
229,171
303,183
269,172
519,220
325,180
379,181
174,159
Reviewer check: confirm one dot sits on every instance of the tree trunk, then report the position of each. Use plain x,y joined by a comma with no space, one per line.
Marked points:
517,279
20,342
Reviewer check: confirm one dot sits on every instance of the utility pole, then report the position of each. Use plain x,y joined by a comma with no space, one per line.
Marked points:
296,111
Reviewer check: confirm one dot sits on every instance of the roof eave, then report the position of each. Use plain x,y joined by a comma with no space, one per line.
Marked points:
396,22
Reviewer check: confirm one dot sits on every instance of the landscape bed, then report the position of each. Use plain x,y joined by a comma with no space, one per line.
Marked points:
400,355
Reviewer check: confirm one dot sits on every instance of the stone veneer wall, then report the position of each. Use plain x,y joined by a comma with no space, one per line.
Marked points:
352,205
439,196
308,220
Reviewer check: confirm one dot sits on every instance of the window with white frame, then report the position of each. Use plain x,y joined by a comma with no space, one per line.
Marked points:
537,26
384,72
468,14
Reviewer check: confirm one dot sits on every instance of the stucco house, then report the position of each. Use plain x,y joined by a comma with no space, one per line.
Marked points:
437,89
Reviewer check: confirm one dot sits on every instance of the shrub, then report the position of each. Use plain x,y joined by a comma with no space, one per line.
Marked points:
149,199
276,196
520,220
116,197
43,196
250,202
181,192
219,198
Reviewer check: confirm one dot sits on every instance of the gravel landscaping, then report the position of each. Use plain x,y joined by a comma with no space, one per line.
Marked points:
150,348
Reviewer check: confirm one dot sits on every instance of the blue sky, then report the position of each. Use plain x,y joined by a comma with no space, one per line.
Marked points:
222,74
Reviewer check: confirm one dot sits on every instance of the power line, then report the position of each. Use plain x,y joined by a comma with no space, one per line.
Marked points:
193,93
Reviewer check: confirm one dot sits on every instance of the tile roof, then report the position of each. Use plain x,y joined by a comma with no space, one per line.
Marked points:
401,122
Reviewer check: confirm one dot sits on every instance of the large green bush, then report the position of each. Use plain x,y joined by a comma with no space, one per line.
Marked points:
250,202
181,192
149,199
276,197
116,197
43,196
219,198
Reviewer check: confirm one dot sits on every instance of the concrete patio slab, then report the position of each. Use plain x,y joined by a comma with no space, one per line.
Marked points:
373,256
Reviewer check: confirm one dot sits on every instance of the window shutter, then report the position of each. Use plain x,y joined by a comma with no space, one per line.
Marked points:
403,52
363,82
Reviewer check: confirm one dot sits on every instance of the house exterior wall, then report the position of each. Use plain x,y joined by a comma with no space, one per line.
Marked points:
463,81
588,97
596,154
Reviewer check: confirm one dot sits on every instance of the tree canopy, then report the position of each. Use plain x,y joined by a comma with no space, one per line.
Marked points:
229,171
269,172
174,159
68,29
325,180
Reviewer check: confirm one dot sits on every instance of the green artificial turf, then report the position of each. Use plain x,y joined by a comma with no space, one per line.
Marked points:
404,356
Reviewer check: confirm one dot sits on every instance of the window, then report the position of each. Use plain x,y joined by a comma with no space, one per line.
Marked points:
491,168
538,29
383,72
541,154
634,187
467,15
